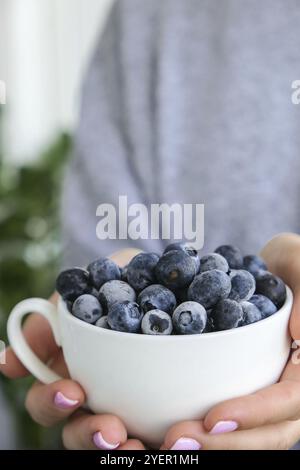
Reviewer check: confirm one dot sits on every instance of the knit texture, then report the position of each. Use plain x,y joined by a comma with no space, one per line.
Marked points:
190,101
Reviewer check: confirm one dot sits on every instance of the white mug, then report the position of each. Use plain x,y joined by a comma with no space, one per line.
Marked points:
152,382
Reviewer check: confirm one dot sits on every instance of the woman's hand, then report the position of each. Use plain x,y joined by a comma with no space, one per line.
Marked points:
60,401
269,418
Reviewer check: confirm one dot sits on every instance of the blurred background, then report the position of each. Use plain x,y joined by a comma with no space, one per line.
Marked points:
45,46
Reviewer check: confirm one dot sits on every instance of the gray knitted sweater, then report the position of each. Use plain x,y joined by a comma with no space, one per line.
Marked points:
190,101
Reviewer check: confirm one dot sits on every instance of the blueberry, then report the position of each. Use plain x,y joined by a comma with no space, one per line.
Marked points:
72,283
141,270
232,254
157,297
123,272
175,269
254,264
265,305
69,305
87,308
103,270
102,323
209,287
213,261
95,292
227,314
125,316
251,313
157,322
272,287
181,295
190,250
242,285
189,318
115,291
210,327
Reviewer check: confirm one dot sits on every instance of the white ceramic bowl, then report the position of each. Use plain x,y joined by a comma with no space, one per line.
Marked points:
152,382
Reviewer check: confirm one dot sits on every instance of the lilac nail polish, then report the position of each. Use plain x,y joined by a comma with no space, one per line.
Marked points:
224,426
101,443
186,443
63,402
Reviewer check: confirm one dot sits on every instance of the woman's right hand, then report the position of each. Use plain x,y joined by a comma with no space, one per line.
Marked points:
61,400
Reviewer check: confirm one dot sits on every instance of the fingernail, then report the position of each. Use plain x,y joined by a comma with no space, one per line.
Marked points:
224,426
185,443
101,443
63,402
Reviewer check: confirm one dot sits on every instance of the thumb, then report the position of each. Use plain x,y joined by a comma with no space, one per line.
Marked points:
295,316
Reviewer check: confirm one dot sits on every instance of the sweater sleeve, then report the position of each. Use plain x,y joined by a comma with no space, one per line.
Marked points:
102,166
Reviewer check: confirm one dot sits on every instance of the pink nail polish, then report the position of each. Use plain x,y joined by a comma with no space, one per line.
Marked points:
63,402
101,443
185,443
224,426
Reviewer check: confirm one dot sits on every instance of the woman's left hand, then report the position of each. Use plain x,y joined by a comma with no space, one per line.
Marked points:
269,418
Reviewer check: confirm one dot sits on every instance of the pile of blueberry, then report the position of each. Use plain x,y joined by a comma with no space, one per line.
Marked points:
176,293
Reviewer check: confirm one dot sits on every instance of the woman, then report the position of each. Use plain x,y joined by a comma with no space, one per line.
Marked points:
188,102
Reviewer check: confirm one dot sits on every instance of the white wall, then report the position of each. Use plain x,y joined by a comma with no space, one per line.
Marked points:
44,48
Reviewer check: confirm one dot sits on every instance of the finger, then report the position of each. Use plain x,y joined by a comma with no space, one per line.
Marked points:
292,369
49,404
295,316
13,367
86,432
58,365
189,434
273,404
39,336
132,444
123,257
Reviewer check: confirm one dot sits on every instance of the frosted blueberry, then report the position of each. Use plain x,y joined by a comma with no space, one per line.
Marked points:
116,291
265,305
209,328
242,285
227,314
157,322
272,287
251,313
102,323
181,295
103,270
213,261
72,283
141,270
175,269
232,254
187,248
189,318
157,297
87,308
209,287
254,264
124,273
125,316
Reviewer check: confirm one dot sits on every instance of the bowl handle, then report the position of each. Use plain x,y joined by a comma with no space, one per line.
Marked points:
19,343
